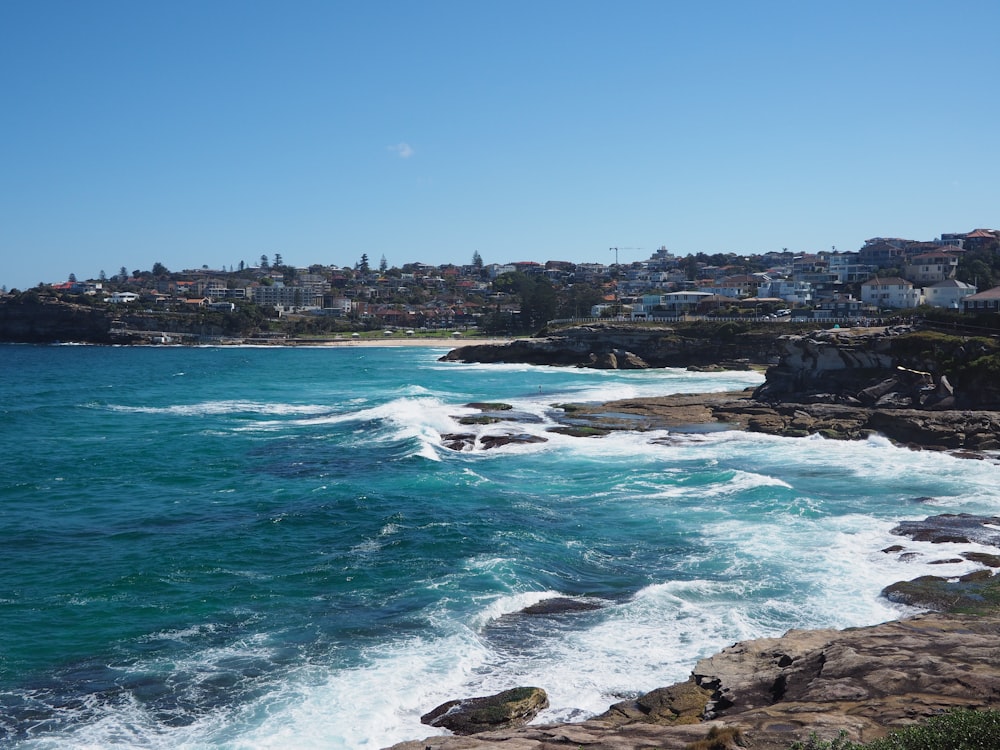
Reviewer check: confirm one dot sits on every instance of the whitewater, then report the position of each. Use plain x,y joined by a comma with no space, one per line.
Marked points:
228,547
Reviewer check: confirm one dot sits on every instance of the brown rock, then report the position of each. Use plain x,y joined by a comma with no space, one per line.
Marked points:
505,710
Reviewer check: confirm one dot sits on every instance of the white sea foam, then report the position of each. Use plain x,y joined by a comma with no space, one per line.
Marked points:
216,408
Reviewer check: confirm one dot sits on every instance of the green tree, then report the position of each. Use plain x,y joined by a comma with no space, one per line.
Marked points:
383,265
159,269
577,301
363,265
981,271
264,263
72,278
278,260
536,295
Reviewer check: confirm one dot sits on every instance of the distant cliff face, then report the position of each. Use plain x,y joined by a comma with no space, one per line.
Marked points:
627,347
891,368
34,320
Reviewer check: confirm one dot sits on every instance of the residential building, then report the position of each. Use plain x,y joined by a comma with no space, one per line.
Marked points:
892,292
795,292
932,267
948,294
988,301
847,267
883,252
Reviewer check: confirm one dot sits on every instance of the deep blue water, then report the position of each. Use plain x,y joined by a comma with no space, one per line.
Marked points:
257,548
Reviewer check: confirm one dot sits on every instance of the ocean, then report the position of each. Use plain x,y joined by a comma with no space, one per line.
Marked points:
270,547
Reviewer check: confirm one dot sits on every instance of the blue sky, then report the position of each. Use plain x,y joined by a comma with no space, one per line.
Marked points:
196,132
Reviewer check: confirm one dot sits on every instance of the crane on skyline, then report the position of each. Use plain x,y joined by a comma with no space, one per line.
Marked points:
616,249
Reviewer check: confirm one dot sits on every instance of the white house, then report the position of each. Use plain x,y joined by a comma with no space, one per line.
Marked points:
119,298
796,292
948,294
892,292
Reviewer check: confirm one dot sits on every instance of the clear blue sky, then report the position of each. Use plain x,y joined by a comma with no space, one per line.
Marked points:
195,132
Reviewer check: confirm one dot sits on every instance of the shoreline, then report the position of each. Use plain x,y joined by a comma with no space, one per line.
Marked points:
394,342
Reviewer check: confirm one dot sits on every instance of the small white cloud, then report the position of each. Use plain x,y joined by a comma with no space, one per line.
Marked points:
402,150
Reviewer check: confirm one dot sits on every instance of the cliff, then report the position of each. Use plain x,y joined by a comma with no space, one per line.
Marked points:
622,346
917,388
36,319
892,368
45,320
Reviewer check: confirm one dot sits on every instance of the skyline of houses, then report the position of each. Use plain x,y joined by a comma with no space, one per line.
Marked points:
885,273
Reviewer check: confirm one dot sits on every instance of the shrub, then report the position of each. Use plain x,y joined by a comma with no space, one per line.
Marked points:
961,729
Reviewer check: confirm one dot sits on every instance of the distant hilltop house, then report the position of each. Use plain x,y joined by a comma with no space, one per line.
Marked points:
949,294
932,267
900,293
119,298
891,292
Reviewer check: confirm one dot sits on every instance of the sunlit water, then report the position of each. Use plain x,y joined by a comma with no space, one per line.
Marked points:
270,548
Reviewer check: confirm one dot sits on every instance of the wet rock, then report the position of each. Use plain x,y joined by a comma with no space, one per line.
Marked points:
558,605
488,442
683,703
983,558
958,528
459,441
938,594
506,710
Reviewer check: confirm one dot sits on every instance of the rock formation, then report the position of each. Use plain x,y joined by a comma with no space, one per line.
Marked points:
619,346
505,710
38,320
917,389
775,691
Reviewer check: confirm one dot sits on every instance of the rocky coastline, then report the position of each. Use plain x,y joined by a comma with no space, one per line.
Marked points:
923,392
919,389
769,693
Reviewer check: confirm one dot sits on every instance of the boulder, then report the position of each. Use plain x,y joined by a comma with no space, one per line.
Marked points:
504,710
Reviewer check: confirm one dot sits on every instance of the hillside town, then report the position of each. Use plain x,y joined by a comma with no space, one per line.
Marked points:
957,272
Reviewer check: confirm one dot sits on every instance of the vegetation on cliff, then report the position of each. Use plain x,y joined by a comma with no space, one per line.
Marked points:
960,729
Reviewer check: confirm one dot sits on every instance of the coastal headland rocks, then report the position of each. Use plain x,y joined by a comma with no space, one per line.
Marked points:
917,388
617,346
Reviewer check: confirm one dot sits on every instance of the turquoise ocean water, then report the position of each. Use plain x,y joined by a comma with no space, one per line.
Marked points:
270,548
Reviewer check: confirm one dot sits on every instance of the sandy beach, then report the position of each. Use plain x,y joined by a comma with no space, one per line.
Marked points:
440,343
